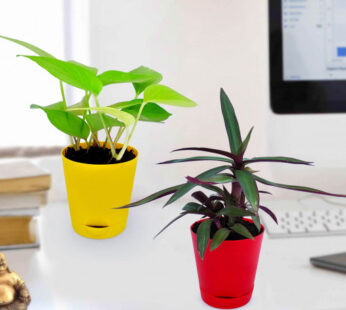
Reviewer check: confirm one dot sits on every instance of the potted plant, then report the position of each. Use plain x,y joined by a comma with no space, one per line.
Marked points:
227,240
100,174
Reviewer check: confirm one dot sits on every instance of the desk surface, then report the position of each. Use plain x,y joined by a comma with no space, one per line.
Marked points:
133,272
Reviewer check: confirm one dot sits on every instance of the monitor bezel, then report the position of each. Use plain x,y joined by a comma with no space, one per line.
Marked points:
296,97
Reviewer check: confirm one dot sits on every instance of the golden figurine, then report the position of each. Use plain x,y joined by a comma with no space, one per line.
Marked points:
14,295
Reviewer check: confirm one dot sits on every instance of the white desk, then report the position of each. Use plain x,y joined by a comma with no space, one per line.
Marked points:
133,272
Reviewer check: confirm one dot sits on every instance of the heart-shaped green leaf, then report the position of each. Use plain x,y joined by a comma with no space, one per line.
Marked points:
151,112
231,122
124,117
29,46
82,104
70,73
115,77
164,95
65,121
126,104
153,77
91,69
95,122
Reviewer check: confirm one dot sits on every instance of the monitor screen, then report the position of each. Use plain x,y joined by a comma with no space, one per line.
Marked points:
314,40
307,56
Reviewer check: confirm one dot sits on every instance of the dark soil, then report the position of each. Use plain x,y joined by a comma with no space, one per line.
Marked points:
97,156
233,235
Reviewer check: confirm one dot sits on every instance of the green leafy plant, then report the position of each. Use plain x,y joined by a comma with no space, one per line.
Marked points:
226,209
83,121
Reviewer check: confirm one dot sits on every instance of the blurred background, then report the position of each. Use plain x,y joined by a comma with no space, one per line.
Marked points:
198,46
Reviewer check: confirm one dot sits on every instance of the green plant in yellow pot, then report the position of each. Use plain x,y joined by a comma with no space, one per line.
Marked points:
100,174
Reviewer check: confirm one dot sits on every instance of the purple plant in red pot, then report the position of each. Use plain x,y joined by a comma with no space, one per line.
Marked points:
229,234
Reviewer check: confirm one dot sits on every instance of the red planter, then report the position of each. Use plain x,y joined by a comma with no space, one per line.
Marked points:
227,274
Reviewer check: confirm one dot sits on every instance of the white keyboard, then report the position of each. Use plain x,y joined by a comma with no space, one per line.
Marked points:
310,216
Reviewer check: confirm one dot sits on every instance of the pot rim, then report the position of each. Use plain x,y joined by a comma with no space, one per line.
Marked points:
99,165
233,241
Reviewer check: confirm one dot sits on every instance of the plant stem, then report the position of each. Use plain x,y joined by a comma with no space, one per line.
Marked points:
120,132
136,121
63,95
114,154
120,155
129,136
106,140
236,192
65,107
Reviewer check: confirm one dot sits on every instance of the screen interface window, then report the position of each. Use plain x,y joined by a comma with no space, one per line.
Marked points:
314,40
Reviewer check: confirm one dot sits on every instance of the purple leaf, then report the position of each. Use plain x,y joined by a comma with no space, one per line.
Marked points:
198,182
270,213
265,192
202,198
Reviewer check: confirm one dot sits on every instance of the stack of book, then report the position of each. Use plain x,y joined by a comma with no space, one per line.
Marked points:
23,190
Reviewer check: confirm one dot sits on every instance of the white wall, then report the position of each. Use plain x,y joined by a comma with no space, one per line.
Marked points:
22,81
198,46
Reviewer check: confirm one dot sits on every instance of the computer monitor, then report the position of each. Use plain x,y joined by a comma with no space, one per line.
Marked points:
307,56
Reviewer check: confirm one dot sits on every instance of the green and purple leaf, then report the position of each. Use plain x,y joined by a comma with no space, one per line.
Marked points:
220,236
228,197
157,195
242,230
231,123
270,213
248,184
278,159
265,192
197,158
203,236
296,188
234,211
171,222
203,199
245,143
256,221
210,150
193,207
189,186
216,179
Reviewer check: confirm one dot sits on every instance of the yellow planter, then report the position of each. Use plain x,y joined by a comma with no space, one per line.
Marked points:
93,190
